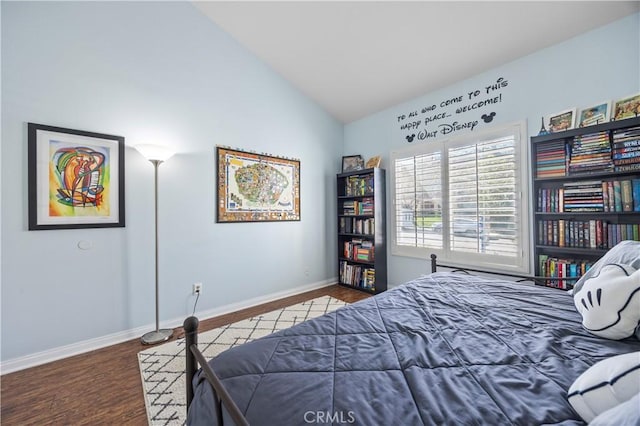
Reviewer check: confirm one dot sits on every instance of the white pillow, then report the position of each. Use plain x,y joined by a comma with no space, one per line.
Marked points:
626,252
625,414
605,385
610,302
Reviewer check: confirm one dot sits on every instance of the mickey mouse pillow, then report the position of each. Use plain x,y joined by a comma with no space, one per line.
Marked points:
609,301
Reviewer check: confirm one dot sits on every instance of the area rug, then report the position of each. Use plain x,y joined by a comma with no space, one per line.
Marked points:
162,367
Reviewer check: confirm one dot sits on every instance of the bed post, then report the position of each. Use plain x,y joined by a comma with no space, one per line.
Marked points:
434,266
191,338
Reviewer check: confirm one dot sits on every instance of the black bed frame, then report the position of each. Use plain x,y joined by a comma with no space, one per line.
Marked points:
194,357
520,278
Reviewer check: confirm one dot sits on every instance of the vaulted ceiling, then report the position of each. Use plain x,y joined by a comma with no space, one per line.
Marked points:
356,58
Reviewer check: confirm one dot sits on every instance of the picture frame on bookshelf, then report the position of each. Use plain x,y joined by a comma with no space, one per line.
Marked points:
596,114
352,163
561,121
627,107
373,162
254,187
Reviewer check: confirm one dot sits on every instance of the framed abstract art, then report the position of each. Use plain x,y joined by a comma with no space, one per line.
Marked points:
76,178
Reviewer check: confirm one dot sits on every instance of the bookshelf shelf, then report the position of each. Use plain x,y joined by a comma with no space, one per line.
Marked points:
574,177
362,262
573,250
586,196
585,214
362,254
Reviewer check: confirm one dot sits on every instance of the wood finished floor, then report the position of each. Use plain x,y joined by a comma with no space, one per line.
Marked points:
103,387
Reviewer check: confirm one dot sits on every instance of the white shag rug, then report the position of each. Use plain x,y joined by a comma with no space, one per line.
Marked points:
162,367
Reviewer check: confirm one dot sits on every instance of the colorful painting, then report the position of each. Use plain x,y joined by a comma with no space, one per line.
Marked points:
76,179
628,107
596,114
561,121
257,187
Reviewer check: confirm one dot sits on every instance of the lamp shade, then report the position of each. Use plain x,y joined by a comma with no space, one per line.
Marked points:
154,152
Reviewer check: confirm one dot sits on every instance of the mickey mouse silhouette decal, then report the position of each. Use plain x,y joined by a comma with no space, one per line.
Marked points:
488,118
410,137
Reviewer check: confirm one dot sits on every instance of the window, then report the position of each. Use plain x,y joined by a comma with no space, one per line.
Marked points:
464,199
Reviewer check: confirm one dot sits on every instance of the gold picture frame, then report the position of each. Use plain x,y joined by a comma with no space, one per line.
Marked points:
254,187
373,162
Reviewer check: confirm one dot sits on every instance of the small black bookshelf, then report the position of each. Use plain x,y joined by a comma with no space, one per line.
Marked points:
362,252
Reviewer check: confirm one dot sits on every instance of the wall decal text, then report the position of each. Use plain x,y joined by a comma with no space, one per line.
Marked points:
453,114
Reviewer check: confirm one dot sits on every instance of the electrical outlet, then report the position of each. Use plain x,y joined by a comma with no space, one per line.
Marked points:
197,288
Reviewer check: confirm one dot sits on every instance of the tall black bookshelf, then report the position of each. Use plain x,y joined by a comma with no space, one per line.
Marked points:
586,196
362,251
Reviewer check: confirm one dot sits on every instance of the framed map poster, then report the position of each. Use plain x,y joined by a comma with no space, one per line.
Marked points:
256,187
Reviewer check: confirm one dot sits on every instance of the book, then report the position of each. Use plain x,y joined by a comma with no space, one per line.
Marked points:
605,197
635,185
626,196
617,196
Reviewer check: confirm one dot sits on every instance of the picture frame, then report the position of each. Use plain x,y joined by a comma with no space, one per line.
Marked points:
352,163
627,107
75,178
254,187
596,114
373,162
561,121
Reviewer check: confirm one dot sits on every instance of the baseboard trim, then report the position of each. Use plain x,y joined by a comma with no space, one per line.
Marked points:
234,307
61,352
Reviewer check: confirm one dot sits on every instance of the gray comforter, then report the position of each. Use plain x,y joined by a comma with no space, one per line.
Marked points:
442,349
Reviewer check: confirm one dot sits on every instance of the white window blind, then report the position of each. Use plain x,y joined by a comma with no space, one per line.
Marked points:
464,199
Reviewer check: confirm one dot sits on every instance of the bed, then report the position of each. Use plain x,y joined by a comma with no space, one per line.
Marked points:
445,348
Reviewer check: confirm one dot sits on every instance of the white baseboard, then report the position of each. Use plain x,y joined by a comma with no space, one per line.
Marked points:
39,358
227,309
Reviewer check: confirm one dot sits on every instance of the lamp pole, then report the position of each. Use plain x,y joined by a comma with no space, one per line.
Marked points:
158,335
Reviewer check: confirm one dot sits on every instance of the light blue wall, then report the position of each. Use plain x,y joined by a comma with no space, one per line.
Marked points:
599,65
153,72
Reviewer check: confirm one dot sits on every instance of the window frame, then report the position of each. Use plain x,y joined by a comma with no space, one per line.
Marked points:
521,263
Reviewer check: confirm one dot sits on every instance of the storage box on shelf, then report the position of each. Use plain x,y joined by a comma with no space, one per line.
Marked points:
586,195
362,253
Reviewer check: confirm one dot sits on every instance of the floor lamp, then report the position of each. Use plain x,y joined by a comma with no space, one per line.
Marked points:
156,155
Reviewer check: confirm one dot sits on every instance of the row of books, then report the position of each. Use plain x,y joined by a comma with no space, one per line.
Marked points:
350,225
550,159
357,276
626,149
591,196
358,185
592,234
590,153
358,207
558,268
358,249
583,196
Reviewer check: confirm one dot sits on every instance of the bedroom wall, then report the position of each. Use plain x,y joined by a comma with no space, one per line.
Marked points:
600,65
153,72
